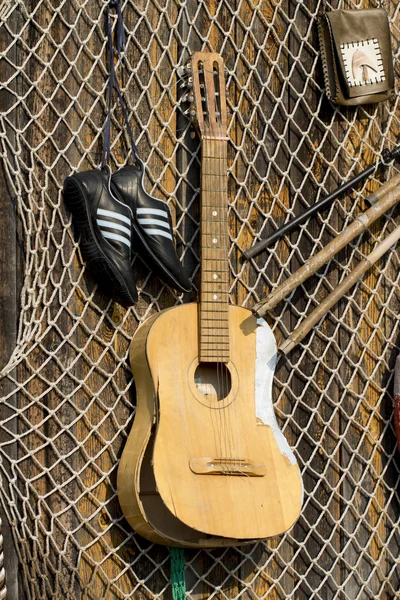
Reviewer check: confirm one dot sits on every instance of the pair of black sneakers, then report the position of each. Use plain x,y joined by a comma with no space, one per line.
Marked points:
116,217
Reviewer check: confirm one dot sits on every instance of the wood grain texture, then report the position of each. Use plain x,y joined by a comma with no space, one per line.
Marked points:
332,406
187,428
9,293
279,498
137,490
362,493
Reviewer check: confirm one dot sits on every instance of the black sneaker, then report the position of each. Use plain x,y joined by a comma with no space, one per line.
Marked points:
105,226
152,226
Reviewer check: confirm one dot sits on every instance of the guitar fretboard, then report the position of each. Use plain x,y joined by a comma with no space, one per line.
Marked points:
214,330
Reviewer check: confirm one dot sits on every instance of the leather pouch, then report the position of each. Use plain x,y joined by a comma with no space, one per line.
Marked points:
356,54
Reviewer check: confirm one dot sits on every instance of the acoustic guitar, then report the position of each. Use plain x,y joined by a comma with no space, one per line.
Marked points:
205,463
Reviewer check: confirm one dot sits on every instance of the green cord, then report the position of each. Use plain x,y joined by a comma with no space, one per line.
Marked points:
178,574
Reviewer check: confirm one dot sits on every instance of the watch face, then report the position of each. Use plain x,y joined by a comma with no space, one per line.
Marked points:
363,62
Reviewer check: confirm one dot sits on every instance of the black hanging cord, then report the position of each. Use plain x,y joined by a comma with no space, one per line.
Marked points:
113,82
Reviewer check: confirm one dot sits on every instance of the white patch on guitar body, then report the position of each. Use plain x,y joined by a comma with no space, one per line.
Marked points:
266,358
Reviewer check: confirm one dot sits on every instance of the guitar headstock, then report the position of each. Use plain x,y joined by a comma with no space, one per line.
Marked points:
209,96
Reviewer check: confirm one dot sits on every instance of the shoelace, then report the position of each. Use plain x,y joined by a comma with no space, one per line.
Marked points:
113,82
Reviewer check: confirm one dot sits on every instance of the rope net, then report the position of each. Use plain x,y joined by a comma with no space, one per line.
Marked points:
67,391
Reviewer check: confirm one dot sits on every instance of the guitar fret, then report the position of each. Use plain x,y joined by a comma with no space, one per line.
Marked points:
218,357
208,338
212,348
216,244
215,352
223,272
214,247
223,340
210,157
214,220
209,294
214,284
216,328
206,301
210,322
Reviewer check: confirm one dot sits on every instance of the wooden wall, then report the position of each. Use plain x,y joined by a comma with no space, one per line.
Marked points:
68,395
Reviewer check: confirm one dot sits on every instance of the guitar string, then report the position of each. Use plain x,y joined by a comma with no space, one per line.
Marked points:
233,410
214,229
223,303
223,226
223,177
211,234
227,435
222,306
215,415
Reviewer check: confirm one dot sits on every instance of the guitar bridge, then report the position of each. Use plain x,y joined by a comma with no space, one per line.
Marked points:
227,466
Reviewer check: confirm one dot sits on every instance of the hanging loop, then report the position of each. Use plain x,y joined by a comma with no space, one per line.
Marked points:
113,82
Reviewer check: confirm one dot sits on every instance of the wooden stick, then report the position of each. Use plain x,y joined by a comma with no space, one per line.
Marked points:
386,196
300,332
396,398
321,204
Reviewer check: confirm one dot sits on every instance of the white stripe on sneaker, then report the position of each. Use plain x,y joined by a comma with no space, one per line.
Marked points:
158,232
152,211
153,222
110,225
114,215
114,236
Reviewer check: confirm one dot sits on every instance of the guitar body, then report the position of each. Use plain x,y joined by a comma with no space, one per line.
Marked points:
205,463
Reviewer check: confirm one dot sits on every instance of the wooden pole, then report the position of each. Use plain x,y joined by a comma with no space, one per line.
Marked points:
396,398
382,200
300,332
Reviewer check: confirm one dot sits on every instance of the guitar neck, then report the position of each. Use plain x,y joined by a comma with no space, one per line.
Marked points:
214,326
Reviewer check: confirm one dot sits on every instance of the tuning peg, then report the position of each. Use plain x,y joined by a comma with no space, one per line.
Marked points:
188,97
182,71
191,113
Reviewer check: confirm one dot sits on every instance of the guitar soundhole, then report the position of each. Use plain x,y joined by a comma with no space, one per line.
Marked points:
213,380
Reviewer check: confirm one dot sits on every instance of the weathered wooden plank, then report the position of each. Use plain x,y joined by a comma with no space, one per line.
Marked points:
90,525
260,195
11,276
9,294
363,455
57,414
310,379
105,542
